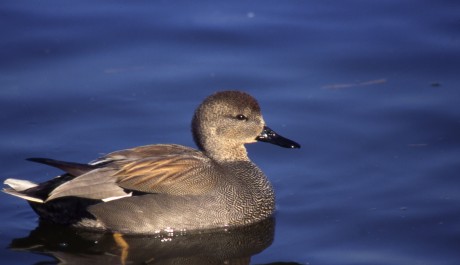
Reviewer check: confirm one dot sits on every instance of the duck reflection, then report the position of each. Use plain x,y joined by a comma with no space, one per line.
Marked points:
72,246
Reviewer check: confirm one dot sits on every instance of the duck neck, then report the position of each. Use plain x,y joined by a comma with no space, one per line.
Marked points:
225,153
215,147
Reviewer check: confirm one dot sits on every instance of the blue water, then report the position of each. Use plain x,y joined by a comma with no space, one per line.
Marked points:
370,89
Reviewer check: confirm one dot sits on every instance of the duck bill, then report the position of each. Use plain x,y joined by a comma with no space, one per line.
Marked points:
270,136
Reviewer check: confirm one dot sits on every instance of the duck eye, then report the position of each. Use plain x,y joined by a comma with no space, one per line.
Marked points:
241,117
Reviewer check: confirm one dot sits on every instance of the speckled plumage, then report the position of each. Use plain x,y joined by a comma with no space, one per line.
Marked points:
154,188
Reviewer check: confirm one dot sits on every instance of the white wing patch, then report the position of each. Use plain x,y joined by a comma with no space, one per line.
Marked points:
117,197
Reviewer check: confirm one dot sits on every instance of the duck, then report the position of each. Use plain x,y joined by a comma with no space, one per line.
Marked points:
166,187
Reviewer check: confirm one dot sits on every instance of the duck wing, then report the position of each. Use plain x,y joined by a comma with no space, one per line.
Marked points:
162,168
178,175
74,169
168,169
98,184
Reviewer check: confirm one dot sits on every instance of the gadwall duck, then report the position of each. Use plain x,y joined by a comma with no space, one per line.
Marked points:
167,187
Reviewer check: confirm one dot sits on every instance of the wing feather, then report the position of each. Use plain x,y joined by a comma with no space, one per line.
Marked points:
167,169
97,184
169,174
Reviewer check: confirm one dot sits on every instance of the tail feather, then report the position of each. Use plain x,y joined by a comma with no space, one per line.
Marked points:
19,184
17,188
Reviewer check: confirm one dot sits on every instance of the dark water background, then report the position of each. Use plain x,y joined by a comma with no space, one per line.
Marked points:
371,89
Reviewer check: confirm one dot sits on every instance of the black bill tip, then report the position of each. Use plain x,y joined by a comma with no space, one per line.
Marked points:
269,136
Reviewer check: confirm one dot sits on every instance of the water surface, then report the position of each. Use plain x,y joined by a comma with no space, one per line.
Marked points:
370,89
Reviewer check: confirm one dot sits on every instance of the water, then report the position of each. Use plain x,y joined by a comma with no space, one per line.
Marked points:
370,89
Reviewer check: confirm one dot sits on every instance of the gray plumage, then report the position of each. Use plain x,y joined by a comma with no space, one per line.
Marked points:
154,188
